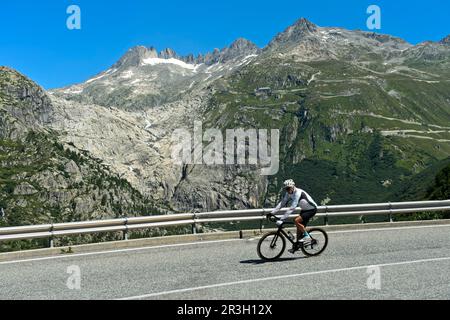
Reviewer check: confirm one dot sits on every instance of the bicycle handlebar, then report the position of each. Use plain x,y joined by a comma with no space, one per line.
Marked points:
271,217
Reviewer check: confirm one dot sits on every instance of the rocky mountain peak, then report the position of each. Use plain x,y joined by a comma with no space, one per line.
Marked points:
446,40
305,24
168,53
242,44
294,34
134,56
189,59
240,47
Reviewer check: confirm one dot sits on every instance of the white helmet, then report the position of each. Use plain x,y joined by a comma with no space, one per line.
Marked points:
289,184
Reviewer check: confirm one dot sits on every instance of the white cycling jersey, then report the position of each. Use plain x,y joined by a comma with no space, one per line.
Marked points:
300,198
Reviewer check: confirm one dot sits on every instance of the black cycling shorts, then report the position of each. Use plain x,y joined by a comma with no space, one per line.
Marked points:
307,214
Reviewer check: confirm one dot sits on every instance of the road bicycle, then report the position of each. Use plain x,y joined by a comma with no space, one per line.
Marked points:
272,245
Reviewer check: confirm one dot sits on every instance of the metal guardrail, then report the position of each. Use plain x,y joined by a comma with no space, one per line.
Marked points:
126,224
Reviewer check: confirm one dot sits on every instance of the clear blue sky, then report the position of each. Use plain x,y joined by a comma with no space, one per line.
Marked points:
35,40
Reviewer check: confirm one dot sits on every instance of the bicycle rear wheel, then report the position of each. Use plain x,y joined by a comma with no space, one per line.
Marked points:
317,244
271,246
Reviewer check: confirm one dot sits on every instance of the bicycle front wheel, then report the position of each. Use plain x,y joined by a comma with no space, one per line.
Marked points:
271,246
317,244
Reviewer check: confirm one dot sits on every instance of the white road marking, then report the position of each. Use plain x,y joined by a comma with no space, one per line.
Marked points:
218,285
119,251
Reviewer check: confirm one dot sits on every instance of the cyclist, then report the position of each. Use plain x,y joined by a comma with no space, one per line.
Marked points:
308,208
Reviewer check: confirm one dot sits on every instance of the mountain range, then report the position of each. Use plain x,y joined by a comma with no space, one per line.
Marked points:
360,115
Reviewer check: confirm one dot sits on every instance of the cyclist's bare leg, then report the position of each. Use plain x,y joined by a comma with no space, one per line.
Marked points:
300,227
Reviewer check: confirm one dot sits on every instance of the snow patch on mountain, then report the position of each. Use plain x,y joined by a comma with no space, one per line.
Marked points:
155,61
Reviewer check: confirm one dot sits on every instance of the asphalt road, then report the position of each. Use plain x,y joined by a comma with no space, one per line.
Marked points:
412,263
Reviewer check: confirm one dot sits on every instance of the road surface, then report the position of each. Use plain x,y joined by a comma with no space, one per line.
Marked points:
387,263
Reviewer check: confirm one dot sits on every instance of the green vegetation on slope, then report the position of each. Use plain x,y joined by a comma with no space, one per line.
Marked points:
347,134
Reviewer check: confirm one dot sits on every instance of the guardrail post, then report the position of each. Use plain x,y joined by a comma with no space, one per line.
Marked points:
261,221
326,215
125,232
194,225
51,240
390,212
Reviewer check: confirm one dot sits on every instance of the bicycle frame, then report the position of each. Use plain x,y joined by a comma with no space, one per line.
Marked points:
284,233
281,230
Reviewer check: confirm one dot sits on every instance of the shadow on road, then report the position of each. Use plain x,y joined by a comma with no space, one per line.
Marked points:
260,261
